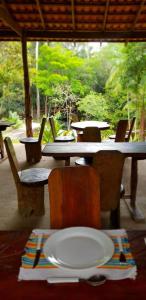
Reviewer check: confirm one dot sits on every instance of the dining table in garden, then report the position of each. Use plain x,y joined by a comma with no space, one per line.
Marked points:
3,126
15,254
135,150
83,124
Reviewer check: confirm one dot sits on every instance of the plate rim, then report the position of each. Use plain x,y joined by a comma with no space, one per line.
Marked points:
59,232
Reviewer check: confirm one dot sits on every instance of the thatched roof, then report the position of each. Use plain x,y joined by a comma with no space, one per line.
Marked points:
73,20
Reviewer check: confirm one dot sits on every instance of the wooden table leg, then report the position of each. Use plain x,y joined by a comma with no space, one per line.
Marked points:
67,161
1,145
135,212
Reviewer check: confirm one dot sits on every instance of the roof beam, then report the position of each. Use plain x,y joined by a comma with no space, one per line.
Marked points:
138,14
41,13
105,14
73,14
7,18
77,35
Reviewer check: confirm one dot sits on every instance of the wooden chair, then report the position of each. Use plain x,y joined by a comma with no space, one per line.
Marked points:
33,145
90,134
29,184
77,133
129,133
120,131
74,197
1,145
59,139
109,167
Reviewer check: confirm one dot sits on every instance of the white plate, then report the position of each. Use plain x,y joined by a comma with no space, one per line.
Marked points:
78,248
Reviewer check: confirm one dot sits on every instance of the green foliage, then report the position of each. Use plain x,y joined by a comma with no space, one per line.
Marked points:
128,80
108,84
14,118
11,78
47,135
94,106
57,65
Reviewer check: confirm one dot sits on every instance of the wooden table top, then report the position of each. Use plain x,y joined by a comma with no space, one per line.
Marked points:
82,124
4,125
12,247
130,149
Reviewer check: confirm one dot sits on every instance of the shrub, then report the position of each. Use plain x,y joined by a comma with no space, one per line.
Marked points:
14,118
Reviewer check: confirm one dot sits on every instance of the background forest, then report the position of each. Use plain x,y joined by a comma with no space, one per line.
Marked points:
105,84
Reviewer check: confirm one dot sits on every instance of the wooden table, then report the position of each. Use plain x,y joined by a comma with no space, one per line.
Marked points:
11,250
135,150
81,125
3,126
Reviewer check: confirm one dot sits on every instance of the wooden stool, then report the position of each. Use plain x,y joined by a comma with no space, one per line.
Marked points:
33,146
29,183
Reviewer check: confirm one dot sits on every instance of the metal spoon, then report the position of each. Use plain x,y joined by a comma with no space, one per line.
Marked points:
94,280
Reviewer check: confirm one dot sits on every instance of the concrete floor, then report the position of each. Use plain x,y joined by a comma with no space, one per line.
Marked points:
10,219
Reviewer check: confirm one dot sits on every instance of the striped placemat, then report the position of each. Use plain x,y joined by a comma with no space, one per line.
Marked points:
113,269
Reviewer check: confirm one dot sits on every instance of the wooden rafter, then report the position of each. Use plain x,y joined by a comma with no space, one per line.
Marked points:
105,14
138,14
8,19
76,36
40,12
73,14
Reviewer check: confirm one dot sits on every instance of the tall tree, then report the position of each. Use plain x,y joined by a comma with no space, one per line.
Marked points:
37,89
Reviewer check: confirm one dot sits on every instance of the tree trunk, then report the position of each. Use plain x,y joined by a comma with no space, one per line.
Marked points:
142,121
128,112
28,117
37,90
46,105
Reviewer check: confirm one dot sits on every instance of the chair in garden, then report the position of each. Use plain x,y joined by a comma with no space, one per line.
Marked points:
109,167
129,132
74,197
74,118
120,131
1,146
61,139
33,145
29,184
90,134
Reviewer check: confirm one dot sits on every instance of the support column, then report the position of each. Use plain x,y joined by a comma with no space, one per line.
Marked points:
28,117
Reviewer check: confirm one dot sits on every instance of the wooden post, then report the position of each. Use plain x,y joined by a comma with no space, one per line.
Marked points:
28,117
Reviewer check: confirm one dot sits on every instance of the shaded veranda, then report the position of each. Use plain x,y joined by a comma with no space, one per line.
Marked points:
10,218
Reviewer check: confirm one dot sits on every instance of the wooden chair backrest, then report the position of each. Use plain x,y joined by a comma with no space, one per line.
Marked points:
42,129
52,125
91,134
121,131
12,158
109,167
130,129
74,197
